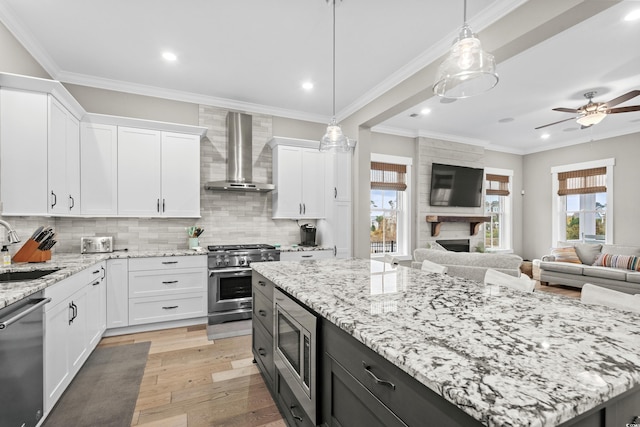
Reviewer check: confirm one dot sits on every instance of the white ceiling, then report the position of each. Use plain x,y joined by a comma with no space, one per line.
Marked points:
254,55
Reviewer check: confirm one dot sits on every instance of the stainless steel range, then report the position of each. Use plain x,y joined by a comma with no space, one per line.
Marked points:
230,279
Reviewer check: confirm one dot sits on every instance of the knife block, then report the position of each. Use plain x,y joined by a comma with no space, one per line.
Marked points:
29,252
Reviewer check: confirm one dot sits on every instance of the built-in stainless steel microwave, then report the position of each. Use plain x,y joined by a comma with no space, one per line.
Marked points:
295,350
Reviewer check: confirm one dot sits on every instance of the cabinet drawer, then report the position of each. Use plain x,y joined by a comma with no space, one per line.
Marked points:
259,283
160,309
152,283
65,288
262,344
402,394
263,311
168,263
305,255
292,409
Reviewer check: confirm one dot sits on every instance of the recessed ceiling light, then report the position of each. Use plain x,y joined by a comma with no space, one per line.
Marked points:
307,85
169,56
545,136
506,120
425,111
632,16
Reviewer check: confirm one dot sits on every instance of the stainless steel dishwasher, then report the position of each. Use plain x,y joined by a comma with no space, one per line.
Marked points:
21,362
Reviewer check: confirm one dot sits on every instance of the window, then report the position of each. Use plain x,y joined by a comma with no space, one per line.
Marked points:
390,198
497,205
583,202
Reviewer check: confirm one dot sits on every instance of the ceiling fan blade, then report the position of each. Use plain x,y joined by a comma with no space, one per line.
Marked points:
555,123
566,110
622,98
624,109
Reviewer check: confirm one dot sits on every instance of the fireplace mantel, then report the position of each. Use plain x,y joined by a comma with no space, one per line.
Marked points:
474,222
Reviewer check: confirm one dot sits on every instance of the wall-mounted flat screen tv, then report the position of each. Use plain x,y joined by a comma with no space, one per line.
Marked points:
457,186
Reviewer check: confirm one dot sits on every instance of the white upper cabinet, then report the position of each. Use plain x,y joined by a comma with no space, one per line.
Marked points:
64,161
180,174
99,169
158,173
23,145
299,176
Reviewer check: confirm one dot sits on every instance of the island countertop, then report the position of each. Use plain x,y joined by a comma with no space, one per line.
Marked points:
502,356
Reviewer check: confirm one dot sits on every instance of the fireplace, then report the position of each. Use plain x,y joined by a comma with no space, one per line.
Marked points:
455,245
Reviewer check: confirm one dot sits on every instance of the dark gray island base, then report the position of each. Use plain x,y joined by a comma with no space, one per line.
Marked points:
399,347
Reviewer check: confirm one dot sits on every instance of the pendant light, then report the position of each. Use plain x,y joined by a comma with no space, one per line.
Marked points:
467,70
334,139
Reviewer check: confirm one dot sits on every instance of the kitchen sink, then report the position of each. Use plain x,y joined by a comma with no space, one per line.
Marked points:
21,276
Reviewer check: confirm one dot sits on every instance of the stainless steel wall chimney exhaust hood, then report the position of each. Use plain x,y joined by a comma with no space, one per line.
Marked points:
239,149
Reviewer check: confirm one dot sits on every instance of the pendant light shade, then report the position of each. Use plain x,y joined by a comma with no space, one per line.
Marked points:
334,139
468,70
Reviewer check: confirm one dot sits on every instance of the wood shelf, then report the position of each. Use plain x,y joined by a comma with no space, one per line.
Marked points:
474,222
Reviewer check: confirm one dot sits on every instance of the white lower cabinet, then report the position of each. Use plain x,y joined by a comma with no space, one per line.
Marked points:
167,288
117,293
73,324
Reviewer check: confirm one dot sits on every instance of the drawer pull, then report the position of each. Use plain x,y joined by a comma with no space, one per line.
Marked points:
169,262
293,414
307,256
169,282
262,352
96,283
262,313
171,307
96,272
377,380
261,283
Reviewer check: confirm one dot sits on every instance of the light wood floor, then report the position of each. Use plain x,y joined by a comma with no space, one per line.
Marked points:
192,382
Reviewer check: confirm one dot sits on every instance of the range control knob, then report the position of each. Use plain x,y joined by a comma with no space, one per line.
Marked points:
218,261
270,257
241,261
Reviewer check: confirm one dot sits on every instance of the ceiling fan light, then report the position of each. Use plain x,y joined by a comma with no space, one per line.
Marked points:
334,139
591,118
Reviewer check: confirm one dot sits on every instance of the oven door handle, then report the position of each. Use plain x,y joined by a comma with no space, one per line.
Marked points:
239,271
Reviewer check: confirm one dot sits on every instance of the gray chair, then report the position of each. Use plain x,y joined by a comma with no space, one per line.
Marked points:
592,294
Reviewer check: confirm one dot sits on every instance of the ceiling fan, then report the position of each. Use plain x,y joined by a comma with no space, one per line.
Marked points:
593,112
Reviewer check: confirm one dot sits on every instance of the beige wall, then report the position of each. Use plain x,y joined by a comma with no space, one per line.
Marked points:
16,59
537,185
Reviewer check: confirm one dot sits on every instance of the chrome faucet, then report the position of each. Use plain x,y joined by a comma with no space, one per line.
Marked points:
11,233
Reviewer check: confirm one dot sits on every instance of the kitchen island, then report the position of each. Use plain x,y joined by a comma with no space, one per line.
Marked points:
502,357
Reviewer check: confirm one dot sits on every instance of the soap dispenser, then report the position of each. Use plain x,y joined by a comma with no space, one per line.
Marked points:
6,258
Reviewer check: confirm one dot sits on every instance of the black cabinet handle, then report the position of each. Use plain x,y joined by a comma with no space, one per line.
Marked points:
71,313
293,414
262,352
96,283
261,283
377,380
158,205
55,199
306,256
304,208
169,262
262,313
163,205
96,272
300,208
104,273
335,192
73,202
171,307
169,282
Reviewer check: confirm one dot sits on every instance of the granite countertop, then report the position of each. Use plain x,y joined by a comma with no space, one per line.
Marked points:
502,356
68,265
296,248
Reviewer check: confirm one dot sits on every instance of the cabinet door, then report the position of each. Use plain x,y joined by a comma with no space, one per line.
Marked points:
342,229
23,163
180,175
56,352
313,185
342,177
117,293
77,331
96,306
139,172
99,169
287,201
63,160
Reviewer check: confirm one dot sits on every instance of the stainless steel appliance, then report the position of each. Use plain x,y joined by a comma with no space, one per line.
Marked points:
307,235
21,359
295,354
229,292
94,245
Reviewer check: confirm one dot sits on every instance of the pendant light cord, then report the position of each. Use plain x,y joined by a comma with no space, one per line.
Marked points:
464,13
334,58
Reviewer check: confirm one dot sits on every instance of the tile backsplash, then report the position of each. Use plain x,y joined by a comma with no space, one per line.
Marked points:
227,217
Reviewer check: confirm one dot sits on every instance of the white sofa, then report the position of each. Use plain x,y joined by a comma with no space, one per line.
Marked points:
469,265
577,274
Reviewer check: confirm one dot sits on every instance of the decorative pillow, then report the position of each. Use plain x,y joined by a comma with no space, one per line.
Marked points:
435,245
567,254
627,262
588,252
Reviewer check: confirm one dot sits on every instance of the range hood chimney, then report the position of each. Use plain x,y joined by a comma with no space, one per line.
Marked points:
239,157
